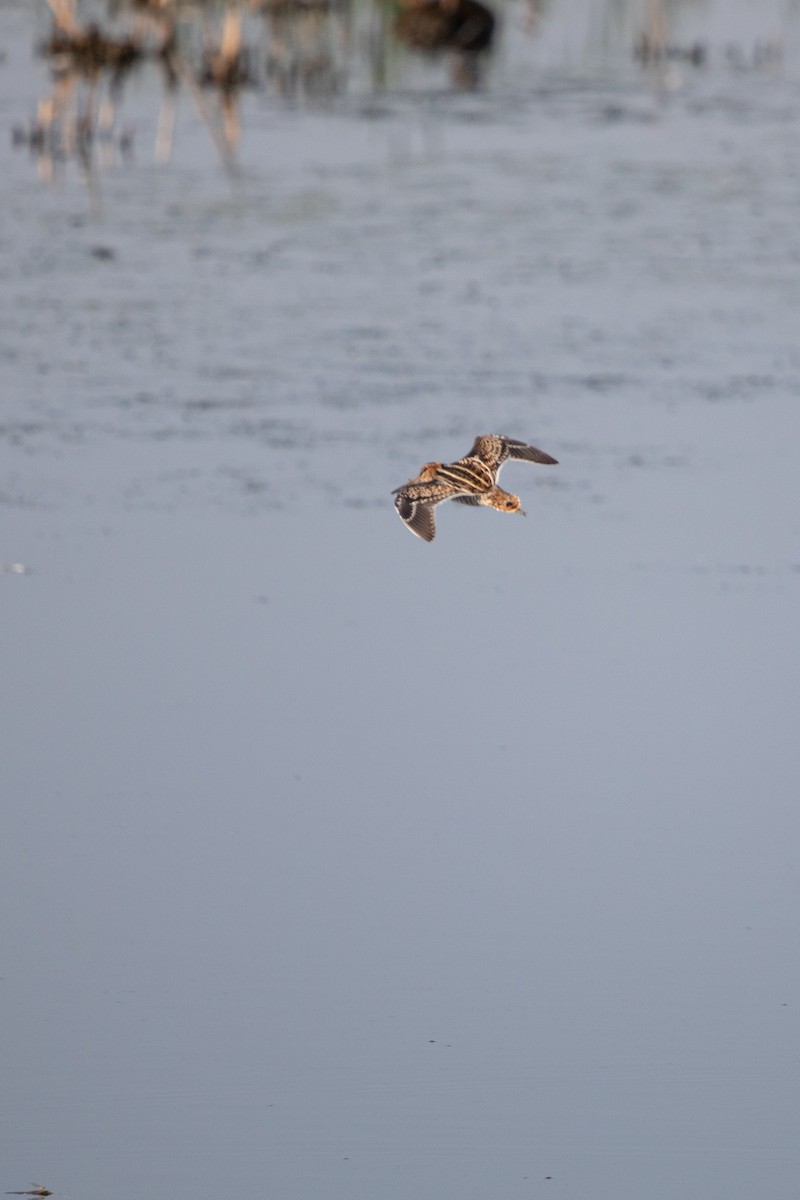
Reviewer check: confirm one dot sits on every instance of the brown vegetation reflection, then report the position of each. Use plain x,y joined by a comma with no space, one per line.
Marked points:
465,27
298,49
308,51
91,63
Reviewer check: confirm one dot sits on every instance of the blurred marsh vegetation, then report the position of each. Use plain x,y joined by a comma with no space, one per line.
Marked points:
330,52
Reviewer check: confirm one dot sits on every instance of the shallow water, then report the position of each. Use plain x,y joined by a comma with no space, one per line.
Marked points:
335,863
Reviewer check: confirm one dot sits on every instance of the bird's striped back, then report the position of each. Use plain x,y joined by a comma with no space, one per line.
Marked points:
471,474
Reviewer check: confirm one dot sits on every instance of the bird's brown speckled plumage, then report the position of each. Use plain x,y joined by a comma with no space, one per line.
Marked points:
469,480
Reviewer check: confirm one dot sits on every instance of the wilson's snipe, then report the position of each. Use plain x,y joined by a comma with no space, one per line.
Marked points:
470,480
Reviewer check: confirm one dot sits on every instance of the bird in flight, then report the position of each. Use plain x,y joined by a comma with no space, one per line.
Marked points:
470,480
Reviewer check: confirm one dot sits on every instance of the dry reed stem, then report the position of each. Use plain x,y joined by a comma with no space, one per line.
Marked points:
64,14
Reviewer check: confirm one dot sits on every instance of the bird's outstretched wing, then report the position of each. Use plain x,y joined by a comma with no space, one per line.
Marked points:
494,449
522,450
529,454
418,516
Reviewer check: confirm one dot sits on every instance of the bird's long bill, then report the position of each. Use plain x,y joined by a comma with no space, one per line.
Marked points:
522,512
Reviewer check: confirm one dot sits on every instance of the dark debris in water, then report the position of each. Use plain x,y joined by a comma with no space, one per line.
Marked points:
89,51
465,25
653,48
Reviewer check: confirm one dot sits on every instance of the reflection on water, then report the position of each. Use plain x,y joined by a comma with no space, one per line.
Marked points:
463,27
92,62
295,48
314,50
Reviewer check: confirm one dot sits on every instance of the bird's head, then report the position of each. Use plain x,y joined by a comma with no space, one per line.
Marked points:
505,501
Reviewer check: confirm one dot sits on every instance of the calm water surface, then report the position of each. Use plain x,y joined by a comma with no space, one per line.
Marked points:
339,865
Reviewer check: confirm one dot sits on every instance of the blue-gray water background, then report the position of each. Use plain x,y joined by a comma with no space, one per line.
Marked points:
339,865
